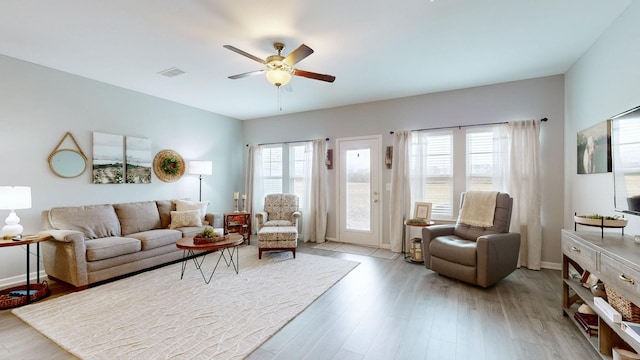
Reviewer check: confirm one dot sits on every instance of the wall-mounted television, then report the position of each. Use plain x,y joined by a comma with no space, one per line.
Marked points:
625,138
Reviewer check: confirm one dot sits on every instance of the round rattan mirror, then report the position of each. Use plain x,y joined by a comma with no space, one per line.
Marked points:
67,163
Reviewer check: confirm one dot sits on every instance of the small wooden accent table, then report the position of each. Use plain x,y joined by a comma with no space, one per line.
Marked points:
408,258
238,222
230,243
28,240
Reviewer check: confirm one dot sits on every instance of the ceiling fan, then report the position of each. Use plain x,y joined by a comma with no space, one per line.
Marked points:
279,68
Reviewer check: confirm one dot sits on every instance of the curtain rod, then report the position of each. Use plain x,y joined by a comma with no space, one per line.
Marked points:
463,126
287,142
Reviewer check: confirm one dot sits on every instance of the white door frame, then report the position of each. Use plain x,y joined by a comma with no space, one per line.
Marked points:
377,163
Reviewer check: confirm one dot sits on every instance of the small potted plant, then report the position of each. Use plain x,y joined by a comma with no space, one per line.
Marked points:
207,235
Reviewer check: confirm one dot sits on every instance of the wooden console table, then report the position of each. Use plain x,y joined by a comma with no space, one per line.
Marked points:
615,260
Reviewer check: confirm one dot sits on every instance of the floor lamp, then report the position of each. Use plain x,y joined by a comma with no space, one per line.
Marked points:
200,167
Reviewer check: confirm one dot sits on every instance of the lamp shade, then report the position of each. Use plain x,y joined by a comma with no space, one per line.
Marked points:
278,77
200,167
15,197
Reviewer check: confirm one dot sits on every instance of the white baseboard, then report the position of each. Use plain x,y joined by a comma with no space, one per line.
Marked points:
550,265
21,280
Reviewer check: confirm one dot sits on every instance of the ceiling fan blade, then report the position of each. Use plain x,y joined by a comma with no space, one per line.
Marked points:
297,55
250,73
244,53
312,75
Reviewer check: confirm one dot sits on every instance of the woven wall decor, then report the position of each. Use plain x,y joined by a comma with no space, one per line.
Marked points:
168,166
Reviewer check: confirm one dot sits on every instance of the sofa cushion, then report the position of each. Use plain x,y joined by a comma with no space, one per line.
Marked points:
138,216
186,205
454,249
276,223
185,218
108,247
95,221
156,238
281,206
164,209
193,230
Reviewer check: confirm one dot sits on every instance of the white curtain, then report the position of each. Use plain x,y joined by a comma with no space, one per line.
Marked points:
315,215
400,189
253,185
524,186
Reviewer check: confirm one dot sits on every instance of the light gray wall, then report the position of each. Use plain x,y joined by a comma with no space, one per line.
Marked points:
520,100
604,82
39,105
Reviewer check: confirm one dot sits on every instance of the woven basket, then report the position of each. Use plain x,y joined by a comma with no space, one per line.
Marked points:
201,241
8,300
628,310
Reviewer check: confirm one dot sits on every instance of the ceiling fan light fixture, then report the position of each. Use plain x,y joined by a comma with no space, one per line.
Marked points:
278,77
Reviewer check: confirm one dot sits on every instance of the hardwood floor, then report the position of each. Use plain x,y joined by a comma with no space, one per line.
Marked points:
391,309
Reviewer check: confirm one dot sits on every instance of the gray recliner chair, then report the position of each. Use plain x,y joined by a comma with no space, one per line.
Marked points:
477,255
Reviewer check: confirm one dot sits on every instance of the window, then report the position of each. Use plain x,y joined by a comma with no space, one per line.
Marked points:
272,169
283,167
445,163
432,170
479,160
297,169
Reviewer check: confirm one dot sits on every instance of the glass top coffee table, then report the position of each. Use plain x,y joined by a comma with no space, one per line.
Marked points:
230,243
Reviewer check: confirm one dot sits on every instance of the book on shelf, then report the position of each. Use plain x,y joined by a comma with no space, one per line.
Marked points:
607,309
588,322
588,279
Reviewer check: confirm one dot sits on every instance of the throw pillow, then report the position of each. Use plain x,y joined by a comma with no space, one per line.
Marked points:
185,205
185,218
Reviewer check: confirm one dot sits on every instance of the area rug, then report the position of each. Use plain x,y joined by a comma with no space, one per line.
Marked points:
155,315
358,250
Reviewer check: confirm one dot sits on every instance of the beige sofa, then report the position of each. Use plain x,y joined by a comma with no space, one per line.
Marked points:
94,243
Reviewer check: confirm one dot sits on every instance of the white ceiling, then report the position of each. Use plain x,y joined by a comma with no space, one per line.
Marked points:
377,49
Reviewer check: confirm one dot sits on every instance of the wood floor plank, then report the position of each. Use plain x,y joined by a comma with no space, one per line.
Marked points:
391,309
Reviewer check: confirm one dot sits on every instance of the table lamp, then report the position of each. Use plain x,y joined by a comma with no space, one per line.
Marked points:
200,167
14,198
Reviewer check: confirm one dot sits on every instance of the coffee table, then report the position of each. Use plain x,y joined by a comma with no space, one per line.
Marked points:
229,243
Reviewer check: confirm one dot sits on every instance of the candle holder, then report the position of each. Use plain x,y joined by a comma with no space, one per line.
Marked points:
244,205
235,207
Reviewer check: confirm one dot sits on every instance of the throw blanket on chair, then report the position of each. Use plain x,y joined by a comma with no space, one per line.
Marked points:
478,208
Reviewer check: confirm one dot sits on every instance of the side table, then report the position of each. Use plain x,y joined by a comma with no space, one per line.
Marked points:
21,295
238,222
404,242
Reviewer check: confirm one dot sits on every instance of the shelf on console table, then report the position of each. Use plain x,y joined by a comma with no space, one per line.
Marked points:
605,257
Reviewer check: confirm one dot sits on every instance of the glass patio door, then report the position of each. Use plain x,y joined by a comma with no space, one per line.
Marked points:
359,190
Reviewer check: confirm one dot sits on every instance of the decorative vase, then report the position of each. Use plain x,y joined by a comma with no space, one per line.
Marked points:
598,290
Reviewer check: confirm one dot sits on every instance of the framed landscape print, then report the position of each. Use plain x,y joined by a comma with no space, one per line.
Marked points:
108,158
138,160
594,149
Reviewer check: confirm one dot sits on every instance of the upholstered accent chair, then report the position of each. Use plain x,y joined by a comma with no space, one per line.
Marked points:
474,254
279,210
278,224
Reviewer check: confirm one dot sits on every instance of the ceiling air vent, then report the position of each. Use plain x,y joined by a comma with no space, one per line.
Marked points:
171,72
